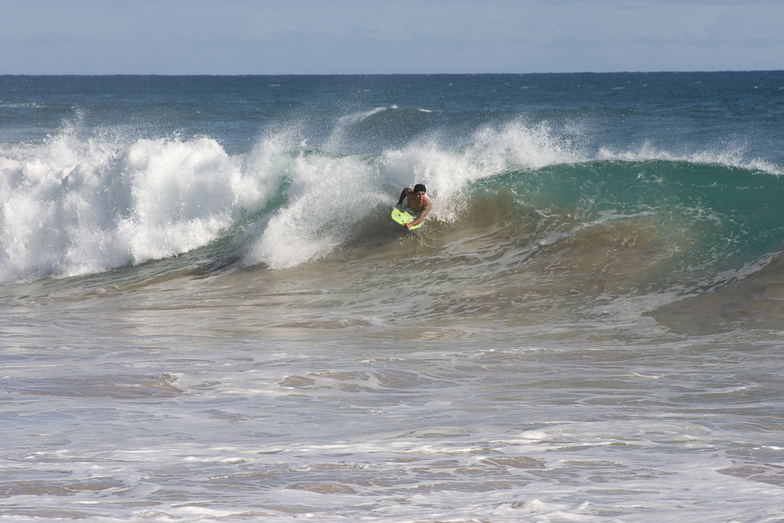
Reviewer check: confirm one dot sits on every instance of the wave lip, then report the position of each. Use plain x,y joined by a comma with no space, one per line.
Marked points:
355,118
735,157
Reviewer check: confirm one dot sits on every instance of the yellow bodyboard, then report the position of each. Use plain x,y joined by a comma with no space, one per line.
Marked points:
402,217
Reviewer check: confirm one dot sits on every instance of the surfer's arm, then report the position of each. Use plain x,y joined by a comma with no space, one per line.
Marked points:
404,194
420,217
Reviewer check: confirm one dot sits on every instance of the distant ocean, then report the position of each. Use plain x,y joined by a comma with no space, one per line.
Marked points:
207,314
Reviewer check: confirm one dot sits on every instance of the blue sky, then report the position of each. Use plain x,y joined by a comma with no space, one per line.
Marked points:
380,36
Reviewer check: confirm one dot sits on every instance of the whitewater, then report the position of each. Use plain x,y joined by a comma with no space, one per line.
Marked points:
207,314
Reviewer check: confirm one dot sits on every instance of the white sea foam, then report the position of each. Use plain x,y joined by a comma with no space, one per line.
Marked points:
327,194
74,207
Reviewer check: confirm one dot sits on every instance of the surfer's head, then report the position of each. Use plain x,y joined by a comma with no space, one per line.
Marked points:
417,198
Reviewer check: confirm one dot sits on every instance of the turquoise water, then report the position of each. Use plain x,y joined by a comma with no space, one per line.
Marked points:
207,313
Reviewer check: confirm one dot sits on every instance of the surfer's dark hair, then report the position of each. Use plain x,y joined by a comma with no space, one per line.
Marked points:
419,187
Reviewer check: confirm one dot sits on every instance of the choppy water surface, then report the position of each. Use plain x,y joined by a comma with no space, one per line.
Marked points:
207,315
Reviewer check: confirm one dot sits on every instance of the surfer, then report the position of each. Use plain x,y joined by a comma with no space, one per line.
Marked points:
417,202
